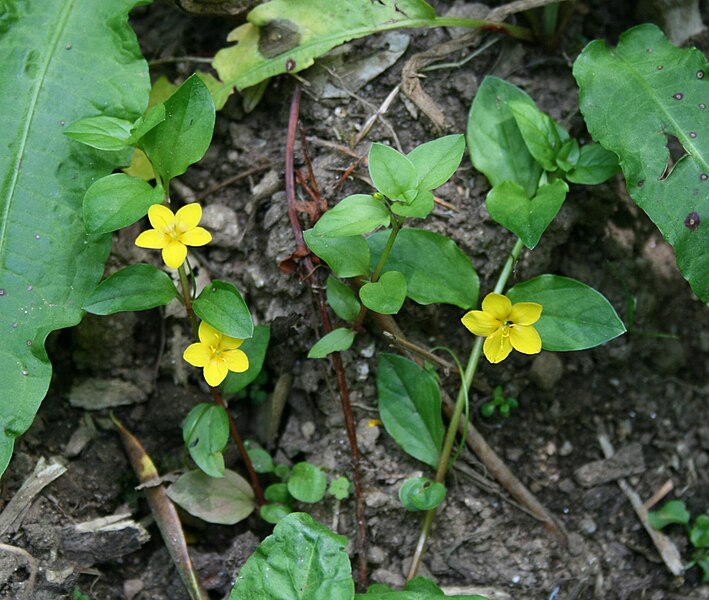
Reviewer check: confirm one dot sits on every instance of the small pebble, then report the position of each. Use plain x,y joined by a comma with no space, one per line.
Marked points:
587,525
546,370
566,448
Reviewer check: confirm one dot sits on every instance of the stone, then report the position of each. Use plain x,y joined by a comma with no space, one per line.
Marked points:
223,223
546,370
99,393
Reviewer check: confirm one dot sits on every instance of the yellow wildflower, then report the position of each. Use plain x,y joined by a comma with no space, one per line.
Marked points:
217,353
506,326
173,232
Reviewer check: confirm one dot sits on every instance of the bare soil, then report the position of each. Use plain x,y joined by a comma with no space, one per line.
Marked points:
649,387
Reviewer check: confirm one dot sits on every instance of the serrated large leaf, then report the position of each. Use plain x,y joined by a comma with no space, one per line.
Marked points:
61,61
637,98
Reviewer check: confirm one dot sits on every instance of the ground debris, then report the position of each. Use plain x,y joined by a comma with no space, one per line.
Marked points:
626,462
103,539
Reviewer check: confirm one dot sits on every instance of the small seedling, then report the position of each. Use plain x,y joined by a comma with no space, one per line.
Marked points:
499,403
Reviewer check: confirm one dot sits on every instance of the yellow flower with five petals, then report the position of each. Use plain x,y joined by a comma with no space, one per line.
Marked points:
173,232
217,353
505,326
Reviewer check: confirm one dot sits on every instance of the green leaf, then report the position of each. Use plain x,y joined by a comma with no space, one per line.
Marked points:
435,268
595,165
184,136
568,156
278,492
224,501
353,215
496,146
205,431
338,340
342,299
101,132
421,493
673,512
385,296
410,407
699,533
273,513
419,208
301,560
437,160
340,488
538,131
419,588
347,256
307,483
637,98
287,35
255,348
509,205
392,173
222,306
574,315
117,201
260,460
54,55
152,119
136,287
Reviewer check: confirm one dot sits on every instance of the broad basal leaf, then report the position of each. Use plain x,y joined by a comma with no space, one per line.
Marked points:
300,560
62,61
638,99
285,36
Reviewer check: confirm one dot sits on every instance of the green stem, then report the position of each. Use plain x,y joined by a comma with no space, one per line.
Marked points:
473,361
395,228
187,299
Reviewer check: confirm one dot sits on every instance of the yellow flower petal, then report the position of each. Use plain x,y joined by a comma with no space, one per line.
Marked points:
174,254
236,360
198,236
215,371
160,216
525,339
497,347
230,343
525,313
198,355
152,238
498,306
188,216
208,335
480,323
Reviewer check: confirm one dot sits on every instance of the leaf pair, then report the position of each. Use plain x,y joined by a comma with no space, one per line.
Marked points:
525,154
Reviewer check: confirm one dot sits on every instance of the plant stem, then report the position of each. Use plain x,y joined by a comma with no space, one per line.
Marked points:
395,228
216,395
449,440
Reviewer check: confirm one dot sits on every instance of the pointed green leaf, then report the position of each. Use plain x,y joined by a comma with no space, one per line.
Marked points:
101,132
184,136
435,268
353,215
347,256
342,299
136,287
574,315
568,156
538,131
594,165
224,500
509,205
152,119
437,160
55,54
392,173
637,98
223,307
338,340
117,201
496,146
205,431
699,533
301,560
419,207
410,407
385,296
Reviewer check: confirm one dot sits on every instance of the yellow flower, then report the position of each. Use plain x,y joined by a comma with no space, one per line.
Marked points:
172,232
506,326
217,353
